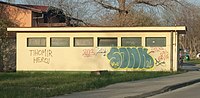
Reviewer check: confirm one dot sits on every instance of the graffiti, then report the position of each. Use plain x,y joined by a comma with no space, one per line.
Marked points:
88,53
94,52
157,49
161,55
158,63
102,51
130,58
41,56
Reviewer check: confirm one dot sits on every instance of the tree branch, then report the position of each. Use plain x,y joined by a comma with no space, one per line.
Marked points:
108,6
156,3
79,20
153,3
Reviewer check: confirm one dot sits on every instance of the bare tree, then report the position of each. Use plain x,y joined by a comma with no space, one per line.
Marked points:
191,18
133,18
7,45
188,15
123,7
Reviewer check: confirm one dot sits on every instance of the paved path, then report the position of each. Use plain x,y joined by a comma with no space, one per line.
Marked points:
191,91
190,67
141,88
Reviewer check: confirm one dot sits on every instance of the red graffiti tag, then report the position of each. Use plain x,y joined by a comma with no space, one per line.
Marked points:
157,49
163,56
88,52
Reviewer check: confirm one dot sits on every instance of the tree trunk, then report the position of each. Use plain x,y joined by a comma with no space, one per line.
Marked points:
1,61
122,12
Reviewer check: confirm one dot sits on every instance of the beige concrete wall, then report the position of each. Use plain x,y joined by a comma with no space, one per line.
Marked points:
21,17
175,51
93,58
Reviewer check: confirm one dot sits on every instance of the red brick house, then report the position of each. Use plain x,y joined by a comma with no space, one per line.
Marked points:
34,15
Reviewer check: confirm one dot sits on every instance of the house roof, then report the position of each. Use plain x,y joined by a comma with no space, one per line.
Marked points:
180,29
34,8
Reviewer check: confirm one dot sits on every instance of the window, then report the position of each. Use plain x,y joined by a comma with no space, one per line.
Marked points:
131,41
155,41
36,42
83,42
107,42
60,41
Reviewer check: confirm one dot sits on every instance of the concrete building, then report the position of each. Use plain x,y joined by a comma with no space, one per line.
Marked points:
98,48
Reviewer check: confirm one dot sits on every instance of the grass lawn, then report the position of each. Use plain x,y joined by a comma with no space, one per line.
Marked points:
46,84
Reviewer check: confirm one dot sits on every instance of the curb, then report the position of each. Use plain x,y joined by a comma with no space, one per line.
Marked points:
165,89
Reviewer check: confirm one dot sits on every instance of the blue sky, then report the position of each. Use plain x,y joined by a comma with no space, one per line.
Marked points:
194,1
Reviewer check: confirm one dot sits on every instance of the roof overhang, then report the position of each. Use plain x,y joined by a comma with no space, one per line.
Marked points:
180,29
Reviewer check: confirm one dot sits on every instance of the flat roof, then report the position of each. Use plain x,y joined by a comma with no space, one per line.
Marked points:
97,29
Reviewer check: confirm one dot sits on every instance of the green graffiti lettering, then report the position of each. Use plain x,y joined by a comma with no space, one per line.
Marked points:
136,58
130,58
125,57
115,58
